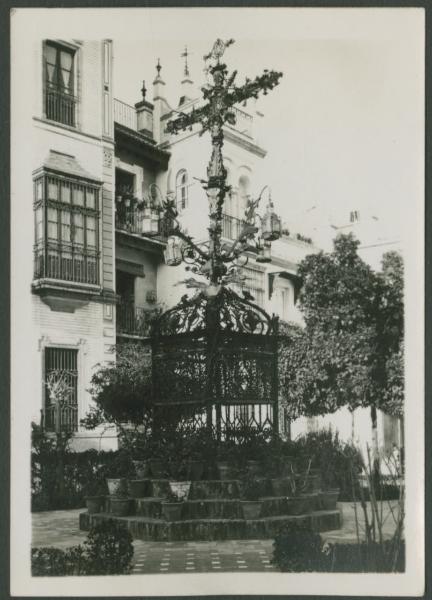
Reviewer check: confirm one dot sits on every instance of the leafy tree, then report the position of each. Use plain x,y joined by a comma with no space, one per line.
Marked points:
350,351
122,390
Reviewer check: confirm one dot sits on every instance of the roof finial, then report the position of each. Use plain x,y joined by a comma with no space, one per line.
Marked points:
185,55
158,67
143,90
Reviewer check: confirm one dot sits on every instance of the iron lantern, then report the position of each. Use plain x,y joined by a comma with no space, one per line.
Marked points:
264,251
173,253
271,224
154,221
146,223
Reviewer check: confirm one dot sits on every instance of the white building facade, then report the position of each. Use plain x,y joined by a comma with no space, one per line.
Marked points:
95,279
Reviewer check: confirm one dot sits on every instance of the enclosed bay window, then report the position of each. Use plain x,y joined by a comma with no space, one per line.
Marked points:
60,100
66,229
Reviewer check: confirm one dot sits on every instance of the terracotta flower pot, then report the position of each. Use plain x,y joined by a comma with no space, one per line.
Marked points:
328,499
251,509
158,468
95,504
180,488
142,468
137,488
120,507
172,511
117,487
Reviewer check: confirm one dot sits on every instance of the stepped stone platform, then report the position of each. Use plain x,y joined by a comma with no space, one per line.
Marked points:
213,512
144,528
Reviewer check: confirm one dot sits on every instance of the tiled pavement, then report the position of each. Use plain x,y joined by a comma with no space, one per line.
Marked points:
60,529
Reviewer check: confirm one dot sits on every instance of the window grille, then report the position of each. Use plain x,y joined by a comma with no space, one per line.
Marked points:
61,363
66,229
60,100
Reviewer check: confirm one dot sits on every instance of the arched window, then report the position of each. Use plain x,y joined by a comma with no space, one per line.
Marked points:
182,189
243,191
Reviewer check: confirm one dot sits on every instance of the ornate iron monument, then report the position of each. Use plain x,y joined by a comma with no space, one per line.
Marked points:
215,353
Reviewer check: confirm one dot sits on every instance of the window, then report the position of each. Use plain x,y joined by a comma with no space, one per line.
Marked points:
182,190
354,216
60,100
61,377
66,229
285,297
254,284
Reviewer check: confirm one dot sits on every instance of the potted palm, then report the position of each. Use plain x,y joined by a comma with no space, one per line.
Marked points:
172,507
250,501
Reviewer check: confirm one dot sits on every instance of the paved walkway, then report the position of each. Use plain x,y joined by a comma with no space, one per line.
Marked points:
60,529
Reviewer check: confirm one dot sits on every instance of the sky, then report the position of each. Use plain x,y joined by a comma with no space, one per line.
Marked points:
343,130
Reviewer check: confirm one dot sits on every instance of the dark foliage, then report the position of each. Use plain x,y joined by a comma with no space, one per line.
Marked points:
127,379
297,548
84,475
108,550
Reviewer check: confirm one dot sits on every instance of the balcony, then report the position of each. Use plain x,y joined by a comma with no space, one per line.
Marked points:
60,107
60,418
244,122
130,220
134,320
231,227
125,114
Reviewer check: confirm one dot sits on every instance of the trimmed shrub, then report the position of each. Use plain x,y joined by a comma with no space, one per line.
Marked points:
299,549
108,550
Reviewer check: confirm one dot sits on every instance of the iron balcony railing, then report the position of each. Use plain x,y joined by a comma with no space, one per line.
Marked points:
133,320
67,265
131,220
231,227
60,418
60,107
244,121
125,114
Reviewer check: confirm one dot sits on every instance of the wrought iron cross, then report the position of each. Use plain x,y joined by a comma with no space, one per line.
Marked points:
219,110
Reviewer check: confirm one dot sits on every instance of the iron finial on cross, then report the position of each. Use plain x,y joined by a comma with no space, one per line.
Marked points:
218,49
185,55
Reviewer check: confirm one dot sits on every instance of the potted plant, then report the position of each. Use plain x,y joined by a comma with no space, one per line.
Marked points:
180,488
172,507
199,449
94,495
226,460
250,501
300,502
142,468
117,474
138,488
155,449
